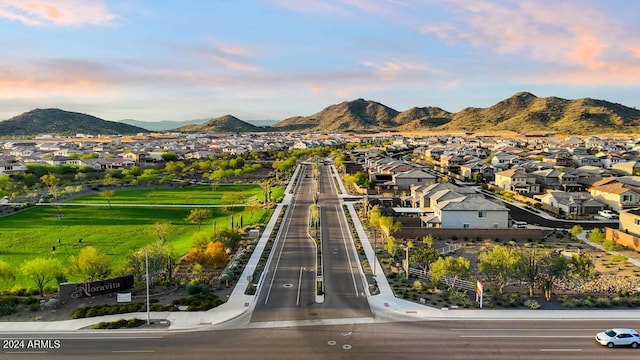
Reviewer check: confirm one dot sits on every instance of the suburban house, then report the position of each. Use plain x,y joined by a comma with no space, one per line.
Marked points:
449,206
617,193
630,221
571,203
404,180
470,212
483,170
8,168
518,181
628,167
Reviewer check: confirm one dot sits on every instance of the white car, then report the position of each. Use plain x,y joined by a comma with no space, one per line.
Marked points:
619,337
608,214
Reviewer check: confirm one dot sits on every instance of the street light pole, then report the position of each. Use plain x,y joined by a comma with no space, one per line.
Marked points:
146,265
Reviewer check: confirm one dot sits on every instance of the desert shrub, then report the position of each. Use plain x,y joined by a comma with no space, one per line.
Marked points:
602,302
8,305
419,285
79,313
571,302
52,304
609,245
198,288
31,300
121,323
531,304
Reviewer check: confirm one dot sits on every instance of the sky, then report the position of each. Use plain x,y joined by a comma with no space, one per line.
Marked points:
155,60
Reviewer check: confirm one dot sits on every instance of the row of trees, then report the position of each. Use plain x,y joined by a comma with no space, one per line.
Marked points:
503,265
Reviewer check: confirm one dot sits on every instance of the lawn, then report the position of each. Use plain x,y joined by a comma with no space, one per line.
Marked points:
194,195
117,230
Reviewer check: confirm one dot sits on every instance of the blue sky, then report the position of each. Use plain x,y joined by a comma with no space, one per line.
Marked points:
272,59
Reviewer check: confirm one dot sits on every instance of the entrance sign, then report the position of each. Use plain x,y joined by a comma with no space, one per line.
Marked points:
95,288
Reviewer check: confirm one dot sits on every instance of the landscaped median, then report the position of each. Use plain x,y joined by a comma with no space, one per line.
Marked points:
198,302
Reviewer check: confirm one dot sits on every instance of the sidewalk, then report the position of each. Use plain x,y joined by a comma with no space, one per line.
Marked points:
385,307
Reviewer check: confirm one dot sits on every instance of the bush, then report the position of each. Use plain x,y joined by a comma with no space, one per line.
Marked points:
131,323
198,288
34,307
8,305
52,304
531,304
30,300
602,302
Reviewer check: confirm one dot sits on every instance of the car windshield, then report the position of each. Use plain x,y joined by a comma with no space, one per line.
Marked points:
610,333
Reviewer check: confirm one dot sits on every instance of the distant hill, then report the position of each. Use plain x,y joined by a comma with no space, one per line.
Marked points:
354,115
523,112
61,122
166,125
223,124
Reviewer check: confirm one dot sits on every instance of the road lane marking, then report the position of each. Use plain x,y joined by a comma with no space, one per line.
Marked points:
299,286
523,329
560,350
281,235
529,336
341,220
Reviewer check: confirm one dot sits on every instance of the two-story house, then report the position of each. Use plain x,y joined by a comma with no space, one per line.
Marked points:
617,193
518,181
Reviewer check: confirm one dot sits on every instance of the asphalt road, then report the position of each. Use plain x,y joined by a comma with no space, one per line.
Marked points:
344,287
288,290
518,213
416,340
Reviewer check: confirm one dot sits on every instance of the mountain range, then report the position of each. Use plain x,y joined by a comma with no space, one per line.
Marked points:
522,112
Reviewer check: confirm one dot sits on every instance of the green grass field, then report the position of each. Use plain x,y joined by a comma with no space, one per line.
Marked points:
196,195
116,230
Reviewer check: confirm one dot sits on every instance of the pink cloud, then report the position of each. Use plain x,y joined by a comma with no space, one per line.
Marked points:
394,69
59,13
232,57
575,35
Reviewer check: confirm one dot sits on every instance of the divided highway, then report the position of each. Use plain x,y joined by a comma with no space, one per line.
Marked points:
288,291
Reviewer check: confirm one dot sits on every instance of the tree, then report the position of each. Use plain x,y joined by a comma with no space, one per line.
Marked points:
390,246
428,240
388,227
160,230
553,265
7,272
51,181
42,271
596,236
200,239
500,265
148,176
161,260
424,257
449,267
575,230
198,216
229,238
91,264
108,195
581,266
213,256
529,267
